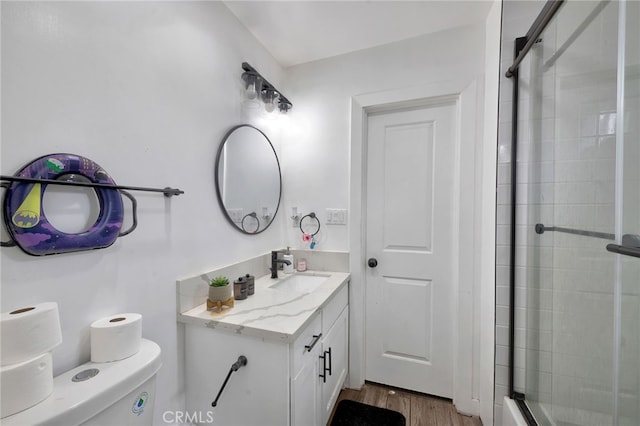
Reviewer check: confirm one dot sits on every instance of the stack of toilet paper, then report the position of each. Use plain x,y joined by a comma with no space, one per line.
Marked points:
116,337
28,336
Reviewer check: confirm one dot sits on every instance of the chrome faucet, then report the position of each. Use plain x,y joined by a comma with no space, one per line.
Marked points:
275,261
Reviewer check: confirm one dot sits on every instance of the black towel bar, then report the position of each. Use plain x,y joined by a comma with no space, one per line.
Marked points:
168,192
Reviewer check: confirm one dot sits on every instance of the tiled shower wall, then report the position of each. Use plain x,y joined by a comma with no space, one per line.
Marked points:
566,171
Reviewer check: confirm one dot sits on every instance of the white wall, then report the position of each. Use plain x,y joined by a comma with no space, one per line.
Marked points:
316,157
147,90
316,151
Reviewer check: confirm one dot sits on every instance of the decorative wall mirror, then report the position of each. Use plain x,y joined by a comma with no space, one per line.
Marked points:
248,180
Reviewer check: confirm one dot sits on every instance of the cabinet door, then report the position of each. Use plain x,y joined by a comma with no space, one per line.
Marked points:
335,350
305,393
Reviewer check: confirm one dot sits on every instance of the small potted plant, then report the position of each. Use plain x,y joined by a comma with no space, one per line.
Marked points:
220,292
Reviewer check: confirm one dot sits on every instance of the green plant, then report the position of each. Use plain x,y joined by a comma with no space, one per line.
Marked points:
219,281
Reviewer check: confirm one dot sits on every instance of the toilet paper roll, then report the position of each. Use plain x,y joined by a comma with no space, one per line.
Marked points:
29,332
116,337
25,384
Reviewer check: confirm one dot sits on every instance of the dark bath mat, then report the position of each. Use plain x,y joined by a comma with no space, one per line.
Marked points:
352,413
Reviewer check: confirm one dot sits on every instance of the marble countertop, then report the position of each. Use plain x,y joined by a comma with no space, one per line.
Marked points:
270,313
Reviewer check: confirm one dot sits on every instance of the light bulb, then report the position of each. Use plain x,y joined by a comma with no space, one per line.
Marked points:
269,106
270,99
251,91
253,85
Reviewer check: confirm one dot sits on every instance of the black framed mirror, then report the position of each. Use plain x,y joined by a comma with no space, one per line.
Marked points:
248,179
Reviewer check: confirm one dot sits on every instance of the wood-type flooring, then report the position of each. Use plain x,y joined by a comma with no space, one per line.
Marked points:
419,409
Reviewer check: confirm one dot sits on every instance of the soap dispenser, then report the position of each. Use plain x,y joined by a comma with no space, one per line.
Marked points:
288,269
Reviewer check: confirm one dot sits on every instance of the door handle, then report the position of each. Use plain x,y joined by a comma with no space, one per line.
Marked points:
372,262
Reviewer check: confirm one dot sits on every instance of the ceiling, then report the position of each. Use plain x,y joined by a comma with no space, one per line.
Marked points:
296,32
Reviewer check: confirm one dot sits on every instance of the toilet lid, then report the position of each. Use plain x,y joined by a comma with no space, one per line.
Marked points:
75,402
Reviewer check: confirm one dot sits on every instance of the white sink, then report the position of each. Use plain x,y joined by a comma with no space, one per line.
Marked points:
300,283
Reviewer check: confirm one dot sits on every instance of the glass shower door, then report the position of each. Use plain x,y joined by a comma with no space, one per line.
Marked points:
628,394
577,305
571,185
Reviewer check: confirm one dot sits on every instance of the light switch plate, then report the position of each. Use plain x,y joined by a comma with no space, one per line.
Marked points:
336,217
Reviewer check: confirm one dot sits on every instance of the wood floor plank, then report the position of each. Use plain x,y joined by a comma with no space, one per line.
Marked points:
352,394
375,395
400,402
471,420
422,412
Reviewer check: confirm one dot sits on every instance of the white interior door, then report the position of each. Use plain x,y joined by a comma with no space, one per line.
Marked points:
410,221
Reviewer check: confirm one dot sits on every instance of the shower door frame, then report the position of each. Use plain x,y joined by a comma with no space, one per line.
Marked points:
522,46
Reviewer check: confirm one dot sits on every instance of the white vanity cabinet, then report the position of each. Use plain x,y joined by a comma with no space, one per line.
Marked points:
320,357
281,383
335,346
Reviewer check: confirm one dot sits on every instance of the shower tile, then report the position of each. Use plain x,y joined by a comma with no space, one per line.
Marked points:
543,172
606,147
503,215
502,375
502,335
548,130
502,315
504,153
539,339
502,295
503,235
502,355
604,169
539,380
573,171
588,125
503,255
567,127
503,195
542,360
502,276
504,174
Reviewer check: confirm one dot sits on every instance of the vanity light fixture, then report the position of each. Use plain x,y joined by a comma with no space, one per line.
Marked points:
284,107
258,87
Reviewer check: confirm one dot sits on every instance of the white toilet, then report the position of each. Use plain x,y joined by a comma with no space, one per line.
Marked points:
110,393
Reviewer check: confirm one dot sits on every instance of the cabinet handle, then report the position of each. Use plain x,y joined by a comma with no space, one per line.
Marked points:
316,338
323,357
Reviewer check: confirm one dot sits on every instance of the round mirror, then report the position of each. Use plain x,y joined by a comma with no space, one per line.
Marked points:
248,180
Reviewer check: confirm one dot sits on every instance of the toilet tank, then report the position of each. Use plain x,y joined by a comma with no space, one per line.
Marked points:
109,393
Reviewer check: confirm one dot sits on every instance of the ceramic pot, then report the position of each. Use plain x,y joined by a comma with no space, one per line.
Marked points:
222,294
